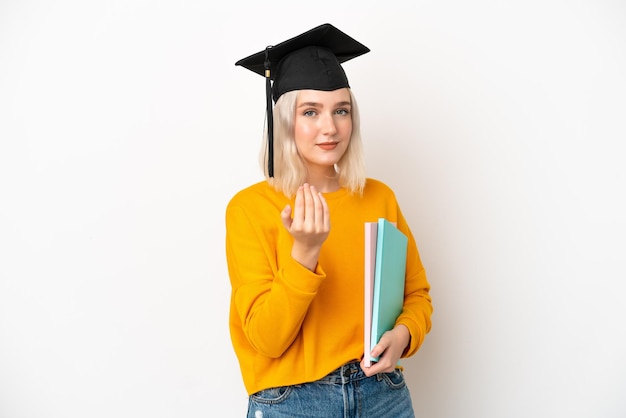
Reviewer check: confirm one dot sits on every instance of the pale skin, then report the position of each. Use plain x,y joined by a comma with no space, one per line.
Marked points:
323,127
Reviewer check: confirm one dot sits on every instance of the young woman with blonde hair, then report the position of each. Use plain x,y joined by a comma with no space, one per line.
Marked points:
295,249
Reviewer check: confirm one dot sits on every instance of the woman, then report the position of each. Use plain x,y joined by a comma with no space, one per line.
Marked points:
295,249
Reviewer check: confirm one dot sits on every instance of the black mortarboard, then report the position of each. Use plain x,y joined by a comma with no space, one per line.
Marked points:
311,60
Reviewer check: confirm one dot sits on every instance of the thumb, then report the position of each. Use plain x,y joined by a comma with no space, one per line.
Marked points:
377,350
380,348
285,215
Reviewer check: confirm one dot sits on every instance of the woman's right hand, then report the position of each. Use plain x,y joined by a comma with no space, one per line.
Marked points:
309,225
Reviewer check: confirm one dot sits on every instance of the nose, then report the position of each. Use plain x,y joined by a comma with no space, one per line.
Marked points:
327,124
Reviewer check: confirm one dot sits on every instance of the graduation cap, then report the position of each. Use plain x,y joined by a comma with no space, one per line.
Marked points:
311,61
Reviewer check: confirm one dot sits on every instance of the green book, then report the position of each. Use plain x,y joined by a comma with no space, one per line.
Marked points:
389,276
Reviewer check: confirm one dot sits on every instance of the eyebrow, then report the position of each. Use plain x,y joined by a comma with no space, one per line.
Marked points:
315,104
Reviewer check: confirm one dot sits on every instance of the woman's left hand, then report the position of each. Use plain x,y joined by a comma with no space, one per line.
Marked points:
388,350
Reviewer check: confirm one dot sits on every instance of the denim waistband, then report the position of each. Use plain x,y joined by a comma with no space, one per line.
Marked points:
349,372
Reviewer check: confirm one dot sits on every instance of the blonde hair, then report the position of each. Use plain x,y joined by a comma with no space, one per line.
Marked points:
289,168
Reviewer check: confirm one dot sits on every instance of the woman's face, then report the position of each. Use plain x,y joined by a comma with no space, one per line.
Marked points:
323,126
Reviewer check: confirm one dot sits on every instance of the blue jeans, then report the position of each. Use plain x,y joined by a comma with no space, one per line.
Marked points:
344,393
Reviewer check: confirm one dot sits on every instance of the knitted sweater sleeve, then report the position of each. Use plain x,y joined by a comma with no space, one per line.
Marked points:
271,292
417,309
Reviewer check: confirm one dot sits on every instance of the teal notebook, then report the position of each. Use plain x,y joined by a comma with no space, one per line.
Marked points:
390,270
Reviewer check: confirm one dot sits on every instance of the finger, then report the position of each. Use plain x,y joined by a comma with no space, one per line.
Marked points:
383,364
325,212
309,207
380,348
375,368
298,211
377,351
285,216
319,209
384,352
367,370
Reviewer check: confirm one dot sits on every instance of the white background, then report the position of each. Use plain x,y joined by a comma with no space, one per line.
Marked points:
125,127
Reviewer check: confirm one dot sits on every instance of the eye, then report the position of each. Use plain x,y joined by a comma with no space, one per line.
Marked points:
342,112
309,113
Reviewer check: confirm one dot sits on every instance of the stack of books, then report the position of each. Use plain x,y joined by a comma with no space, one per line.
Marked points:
385,269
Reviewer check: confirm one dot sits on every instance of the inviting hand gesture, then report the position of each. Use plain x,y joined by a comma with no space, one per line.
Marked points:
309,226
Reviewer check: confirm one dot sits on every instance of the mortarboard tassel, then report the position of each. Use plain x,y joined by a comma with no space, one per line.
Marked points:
270,115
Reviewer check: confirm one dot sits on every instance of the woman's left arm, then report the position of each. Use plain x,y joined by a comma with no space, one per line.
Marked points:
414,321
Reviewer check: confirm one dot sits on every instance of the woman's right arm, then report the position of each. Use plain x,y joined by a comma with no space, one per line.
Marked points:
271,290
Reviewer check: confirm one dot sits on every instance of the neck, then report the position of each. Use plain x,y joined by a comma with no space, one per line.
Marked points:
325,181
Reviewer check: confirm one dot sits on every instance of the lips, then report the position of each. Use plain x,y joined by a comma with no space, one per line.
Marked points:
328,145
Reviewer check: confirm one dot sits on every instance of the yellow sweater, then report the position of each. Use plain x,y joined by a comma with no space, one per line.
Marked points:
289,325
